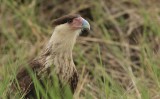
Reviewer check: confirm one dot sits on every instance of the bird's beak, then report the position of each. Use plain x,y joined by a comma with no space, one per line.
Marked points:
85,24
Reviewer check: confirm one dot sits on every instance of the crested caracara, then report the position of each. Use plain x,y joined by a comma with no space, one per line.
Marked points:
57,53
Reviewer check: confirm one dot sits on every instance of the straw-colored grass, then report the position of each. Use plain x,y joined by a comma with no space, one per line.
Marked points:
119,59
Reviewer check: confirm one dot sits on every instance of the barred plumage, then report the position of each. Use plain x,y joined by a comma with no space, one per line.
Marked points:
57,52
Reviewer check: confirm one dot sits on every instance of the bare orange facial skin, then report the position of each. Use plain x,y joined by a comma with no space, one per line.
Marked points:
77,23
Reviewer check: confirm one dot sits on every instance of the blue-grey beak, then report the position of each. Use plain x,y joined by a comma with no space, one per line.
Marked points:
85,24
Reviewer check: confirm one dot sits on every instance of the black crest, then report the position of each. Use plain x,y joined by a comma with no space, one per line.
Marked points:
64,19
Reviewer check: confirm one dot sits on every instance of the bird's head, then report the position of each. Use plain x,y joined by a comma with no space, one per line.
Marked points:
66,30
70,25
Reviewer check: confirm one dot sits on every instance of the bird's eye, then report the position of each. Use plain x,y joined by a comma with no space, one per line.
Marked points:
69,20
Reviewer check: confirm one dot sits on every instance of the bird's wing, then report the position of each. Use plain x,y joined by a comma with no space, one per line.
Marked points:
74,81
24,77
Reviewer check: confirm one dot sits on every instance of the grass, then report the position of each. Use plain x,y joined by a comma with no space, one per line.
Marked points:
118,60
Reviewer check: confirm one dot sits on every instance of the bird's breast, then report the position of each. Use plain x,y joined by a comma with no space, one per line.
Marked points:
62,64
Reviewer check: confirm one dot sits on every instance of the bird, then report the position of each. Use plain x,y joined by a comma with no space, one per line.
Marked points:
56,54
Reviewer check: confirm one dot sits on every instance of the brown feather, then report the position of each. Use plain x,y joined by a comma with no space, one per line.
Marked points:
74,81
55,53
24,78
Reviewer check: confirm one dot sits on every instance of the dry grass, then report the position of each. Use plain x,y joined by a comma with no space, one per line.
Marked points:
119,59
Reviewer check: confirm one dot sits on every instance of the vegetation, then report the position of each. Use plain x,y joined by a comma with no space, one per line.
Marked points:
119,59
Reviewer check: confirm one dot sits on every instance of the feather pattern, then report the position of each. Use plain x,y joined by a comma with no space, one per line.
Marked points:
57,53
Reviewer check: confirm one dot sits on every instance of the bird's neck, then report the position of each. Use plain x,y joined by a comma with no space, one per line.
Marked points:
60,54
60,42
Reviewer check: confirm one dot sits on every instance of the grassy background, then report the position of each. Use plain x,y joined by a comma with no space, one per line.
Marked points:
119,59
